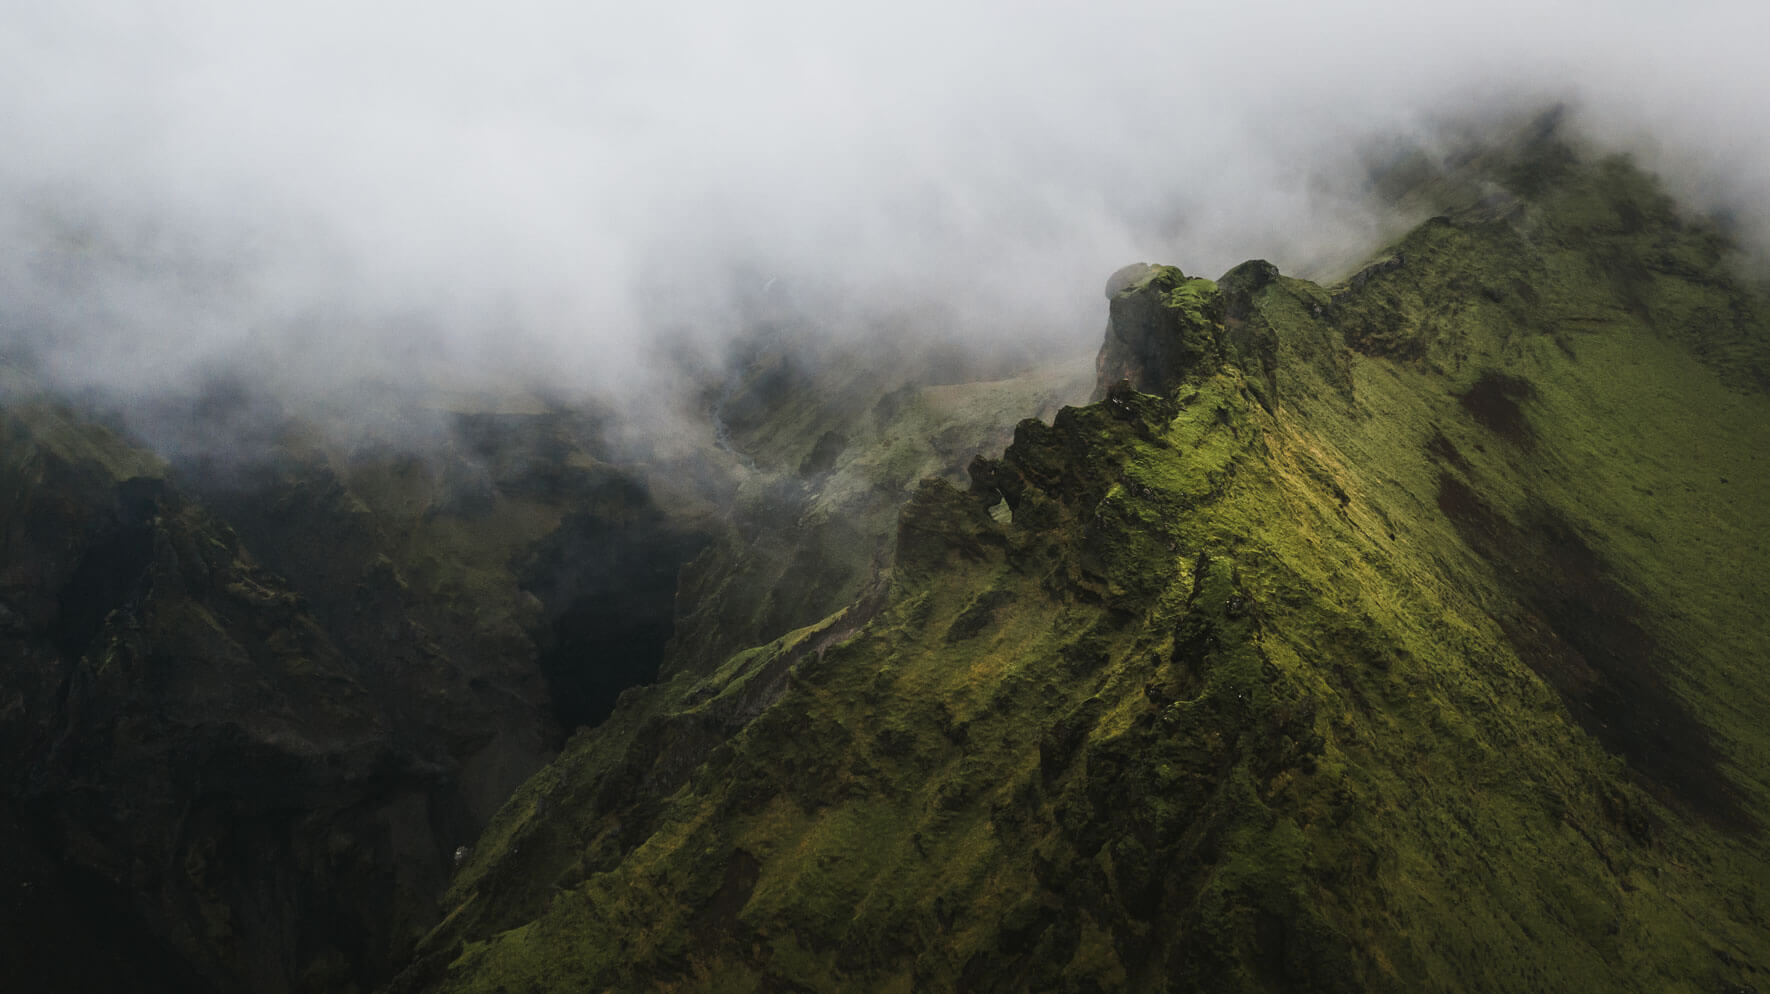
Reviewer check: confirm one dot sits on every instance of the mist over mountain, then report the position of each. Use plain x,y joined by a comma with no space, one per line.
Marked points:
331,203
633,497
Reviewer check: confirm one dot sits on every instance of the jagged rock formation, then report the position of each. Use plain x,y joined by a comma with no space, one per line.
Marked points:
834,448
1402,634
1396,634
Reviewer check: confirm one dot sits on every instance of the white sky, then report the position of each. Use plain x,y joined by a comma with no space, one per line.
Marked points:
542,189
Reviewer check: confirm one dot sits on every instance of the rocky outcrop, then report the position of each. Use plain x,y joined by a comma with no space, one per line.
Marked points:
1164,328
1161,327
1348,642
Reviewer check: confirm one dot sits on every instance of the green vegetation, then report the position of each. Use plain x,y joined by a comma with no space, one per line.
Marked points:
1398,633
836,450
1403,634
1252,696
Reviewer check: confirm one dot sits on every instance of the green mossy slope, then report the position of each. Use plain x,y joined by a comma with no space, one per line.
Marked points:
834,449
1405,634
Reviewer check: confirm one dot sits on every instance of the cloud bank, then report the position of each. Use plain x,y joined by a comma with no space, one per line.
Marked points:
326,196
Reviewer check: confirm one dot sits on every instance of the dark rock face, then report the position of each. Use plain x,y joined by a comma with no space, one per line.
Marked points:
188,749
433,636
1159,329
68,932
1164,328
1125,277
608,583
822,457
240,756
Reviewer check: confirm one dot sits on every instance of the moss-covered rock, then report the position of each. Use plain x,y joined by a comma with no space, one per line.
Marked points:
1392,635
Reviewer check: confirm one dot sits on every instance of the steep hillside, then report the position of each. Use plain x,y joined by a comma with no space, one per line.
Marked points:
248,722
833,445
194,771
1400,634
254,697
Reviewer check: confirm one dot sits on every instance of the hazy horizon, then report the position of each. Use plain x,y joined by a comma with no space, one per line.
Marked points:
323,198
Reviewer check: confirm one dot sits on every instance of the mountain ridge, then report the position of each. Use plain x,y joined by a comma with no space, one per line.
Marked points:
1402,631
1336,647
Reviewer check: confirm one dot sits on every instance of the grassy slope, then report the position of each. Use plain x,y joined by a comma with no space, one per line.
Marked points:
806,540
1420,647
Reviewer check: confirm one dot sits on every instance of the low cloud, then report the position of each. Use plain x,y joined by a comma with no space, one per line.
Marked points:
330,200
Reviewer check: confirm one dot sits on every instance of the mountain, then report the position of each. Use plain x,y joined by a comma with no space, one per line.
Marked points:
244,734
1400,633
253,700
1397,632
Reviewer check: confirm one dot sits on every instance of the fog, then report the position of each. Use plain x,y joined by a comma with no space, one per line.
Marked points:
324,200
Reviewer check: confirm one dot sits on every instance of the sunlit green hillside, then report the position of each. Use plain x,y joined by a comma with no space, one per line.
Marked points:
1401,634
